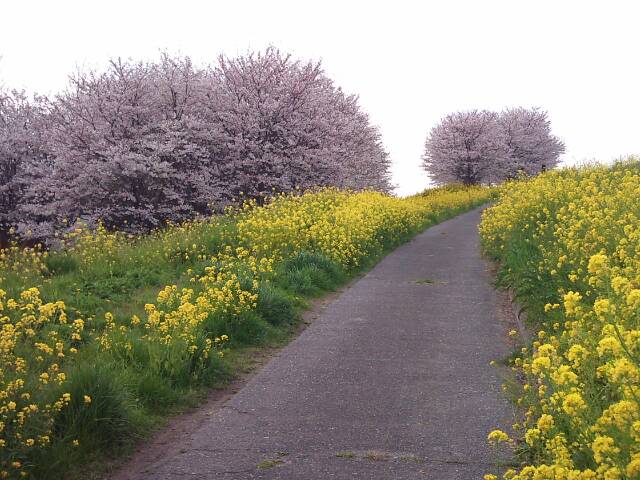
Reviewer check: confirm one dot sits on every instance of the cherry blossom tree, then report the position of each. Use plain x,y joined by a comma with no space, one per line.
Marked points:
467,147
22,145
531,145
287,126
126,150
142,143
486,147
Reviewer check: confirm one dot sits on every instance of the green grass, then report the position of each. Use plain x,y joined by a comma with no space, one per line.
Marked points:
345,455
267,464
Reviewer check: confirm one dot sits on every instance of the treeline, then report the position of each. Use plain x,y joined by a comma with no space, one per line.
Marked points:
143,143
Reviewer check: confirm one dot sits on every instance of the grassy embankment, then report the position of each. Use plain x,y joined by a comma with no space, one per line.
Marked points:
103,338
568,243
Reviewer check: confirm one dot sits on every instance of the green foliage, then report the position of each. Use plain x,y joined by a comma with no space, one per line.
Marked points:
60,263
310,274
277,306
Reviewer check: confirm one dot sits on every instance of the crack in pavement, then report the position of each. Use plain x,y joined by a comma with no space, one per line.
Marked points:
237,410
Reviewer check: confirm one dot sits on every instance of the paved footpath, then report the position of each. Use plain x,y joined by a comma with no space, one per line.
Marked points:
392,381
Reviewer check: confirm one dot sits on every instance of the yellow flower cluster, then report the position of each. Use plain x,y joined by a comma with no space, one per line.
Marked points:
175,322
344,226
23,263
35,340
86,249
569,244
177,242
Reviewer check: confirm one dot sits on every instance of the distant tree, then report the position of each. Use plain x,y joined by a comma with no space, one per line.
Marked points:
484,147
466,147
531,145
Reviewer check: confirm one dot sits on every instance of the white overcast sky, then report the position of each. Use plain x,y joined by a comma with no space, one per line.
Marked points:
411,62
